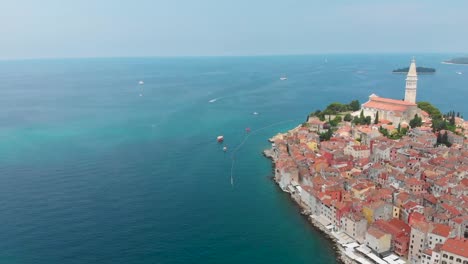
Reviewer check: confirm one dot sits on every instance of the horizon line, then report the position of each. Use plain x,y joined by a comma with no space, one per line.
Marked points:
231,56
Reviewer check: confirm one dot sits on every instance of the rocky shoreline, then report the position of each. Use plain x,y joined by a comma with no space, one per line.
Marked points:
339,250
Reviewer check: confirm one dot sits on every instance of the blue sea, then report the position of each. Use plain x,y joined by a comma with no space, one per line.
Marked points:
95,168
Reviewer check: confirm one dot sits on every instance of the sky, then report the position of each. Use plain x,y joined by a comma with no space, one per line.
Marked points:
123,28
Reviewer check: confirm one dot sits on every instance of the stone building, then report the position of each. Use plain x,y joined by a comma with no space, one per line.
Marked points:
395,111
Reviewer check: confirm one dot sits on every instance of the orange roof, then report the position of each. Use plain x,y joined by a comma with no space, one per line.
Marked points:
375,232
387,104
441,230
421,226
414,181
391,101
456,246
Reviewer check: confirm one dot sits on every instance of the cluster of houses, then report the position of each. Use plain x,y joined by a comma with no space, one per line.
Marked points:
407,197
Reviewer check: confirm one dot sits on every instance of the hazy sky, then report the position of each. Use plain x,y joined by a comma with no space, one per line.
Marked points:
98,28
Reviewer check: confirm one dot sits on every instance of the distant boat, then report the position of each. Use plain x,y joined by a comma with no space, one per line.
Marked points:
141,94
141,82
247,129
220,139
459,73
225,149
254,113
283,78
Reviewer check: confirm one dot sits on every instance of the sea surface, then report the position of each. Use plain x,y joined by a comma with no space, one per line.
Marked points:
95,168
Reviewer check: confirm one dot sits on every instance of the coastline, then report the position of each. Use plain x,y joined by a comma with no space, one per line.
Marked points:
446,62
341,256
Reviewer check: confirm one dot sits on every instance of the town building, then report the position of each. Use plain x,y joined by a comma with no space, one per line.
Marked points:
454,251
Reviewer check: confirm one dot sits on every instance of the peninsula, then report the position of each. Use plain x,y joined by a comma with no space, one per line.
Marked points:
386,181
459,60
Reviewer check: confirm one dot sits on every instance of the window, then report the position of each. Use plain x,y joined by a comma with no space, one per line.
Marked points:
451,257
444,256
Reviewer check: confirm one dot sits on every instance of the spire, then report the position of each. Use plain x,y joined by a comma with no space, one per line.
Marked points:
411,83
412,68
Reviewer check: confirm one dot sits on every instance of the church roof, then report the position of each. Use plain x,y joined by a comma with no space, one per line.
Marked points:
387,104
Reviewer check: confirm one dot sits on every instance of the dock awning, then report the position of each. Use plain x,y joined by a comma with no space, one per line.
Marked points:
376,258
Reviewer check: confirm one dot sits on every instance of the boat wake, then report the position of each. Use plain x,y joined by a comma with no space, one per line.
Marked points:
214,100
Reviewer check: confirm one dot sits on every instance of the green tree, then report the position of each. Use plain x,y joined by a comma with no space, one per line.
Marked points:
354,105
348,117
367,120
326,135
452,119
439,138
376,120
416,121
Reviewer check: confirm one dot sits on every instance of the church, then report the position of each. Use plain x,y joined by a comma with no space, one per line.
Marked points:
396,111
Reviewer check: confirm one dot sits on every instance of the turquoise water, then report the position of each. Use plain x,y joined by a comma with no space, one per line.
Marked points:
92,172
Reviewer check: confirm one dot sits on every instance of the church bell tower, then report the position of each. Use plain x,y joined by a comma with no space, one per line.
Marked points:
411,83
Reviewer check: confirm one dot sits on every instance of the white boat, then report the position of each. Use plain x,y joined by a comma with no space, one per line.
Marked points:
141,95
283,78
220,139
459,73
254,113
224,149
141,82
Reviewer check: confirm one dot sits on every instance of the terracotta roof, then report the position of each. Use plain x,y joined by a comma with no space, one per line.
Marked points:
375,232
456,246
387,104
395,227
414,181
441,230
421,226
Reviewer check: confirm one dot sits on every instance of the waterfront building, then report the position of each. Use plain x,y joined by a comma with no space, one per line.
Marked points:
354,225
377,240
399,232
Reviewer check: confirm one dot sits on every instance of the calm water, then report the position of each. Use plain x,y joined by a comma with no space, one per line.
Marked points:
92,172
